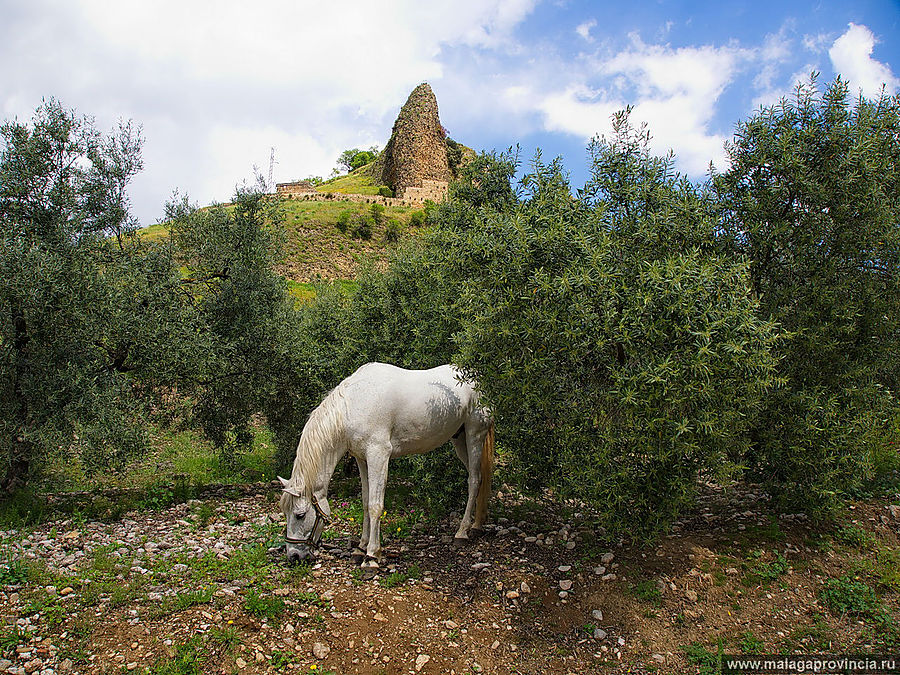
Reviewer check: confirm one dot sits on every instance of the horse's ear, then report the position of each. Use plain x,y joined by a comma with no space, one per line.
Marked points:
284,482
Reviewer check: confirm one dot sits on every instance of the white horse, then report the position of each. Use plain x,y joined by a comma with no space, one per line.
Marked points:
380,412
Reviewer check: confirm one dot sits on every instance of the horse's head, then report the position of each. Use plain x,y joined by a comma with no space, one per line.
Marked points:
304,522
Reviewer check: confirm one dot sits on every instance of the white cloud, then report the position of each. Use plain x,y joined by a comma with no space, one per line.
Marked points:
216,84
673,90
584,29
851,56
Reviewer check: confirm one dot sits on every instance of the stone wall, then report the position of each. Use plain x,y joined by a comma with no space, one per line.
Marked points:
415,200
300,187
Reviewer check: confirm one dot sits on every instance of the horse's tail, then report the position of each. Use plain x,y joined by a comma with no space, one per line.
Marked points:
487,472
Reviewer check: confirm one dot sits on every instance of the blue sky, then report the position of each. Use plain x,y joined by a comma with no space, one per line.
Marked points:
215,85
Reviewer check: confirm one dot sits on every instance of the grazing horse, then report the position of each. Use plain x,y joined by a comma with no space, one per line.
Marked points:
378,413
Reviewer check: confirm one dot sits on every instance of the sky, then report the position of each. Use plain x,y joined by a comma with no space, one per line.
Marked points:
216,85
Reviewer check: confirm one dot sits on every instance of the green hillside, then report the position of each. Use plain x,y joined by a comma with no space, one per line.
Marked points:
358,182
317,249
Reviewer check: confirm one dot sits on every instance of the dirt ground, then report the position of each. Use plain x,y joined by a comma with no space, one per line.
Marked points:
201,588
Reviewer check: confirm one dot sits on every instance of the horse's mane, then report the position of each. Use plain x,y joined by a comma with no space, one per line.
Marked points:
322,431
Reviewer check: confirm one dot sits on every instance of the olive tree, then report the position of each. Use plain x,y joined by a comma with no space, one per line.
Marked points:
90,324
812,199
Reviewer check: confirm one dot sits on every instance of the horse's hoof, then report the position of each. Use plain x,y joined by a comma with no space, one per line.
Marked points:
370,563
459,542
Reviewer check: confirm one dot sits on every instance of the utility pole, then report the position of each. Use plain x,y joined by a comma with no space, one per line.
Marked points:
270,186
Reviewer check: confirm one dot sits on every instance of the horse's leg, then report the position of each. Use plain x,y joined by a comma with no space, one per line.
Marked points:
359,551
377,458
474,441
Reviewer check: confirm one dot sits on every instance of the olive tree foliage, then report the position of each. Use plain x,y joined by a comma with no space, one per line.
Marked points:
90,324
619,348
621,351
812,199
228,256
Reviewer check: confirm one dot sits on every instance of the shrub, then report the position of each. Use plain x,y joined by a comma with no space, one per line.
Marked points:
392,231
417,218
363,227
378,216
344,221
810,200
385,191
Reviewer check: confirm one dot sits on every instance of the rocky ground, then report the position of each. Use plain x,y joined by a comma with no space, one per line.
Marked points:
201,587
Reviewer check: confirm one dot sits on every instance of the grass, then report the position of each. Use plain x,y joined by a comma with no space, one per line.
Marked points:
356,182
398,578
762,568
647,591
263,605
707,662
846,595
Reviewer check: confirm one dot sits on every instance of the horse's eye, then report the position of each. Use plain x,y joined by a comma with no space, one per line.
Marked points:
299,514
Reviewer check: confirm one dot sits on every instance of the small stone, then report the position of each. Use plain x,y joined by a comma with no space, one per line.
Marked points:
597,614
495,644
564,568
659,658
607,558
732,571
691,595
599,634
565,584
68,590
288,628
512,595
570,545
450,624
5,663
600,570
320,651
563,595
608,577
240,663
524,587
132,665
421,660
381,618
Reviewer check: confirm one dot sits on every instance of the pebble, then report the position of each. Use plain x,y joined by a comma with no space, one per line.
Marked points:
565,584
421,660
600,570
597,614
607,558
512,595
320,651
524,587
600,634
240,663
691,595
564,568
659,658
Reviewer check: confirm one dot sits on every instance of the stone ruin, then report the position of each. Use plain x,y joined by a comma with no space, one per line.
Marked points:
414,162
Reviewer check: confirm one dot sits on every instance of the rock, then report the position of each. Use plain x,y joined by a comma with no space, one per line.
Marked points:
599,634
659,658
320,651
417,149
895,511
381,618
5,663
597,614
608,577
512,595
570,545
564,568
495,644
565,584
68,590
524,587
240,663
732,571
607,558
691,595
600,570
421,660
450,624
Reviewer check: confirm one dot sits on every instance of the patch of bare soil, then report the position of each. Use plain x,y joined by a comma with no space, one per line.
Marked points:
200,588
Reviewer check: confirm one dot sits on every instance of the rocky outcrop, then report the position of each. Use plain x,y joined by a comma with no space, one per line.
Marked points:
416,155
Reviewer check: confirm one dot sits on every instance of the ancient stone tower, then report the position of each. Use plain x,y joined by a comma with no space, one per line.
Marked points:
414,163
